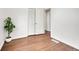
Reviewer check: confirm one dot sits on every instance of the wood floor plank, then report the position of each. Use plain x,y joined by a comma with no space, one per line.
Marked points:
36,43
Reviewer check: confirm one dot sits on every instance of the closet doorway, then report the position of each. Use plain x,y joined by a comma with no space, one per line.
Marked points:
48,20
35,21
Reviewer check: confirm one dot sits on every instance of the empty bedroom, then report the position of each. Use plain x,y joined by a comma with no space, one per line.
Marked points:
39,29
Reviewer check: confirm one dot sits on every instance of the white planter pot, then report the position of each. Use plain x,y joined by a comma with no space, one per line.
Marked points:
8,40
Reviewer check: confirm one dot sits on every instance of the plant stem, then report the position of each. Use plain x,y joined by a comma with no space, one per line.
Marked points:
8,34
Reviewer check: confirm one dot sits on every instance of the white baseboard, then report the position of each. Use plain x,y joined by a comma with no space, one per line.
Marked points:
1,45
55,41
72,45
18,37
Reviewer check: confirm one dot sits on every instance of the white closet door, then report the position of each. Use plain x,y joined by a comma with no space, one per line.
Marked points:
39,24
31,21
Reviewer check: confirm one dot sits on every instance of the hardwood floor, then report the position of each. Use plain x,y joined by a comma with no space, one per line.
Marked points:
36,43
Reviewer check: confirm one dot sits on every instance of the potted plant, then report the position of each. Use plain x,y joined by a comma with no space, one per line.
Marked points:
8,26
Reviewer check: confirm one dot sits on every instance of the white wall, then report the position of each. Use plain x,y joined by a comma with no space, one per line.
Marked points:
65,25
48,21
19,17
45,20
2,36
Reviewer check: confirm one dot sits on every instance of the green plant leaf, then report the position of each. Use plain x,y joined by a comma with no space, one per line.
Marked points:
8,26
